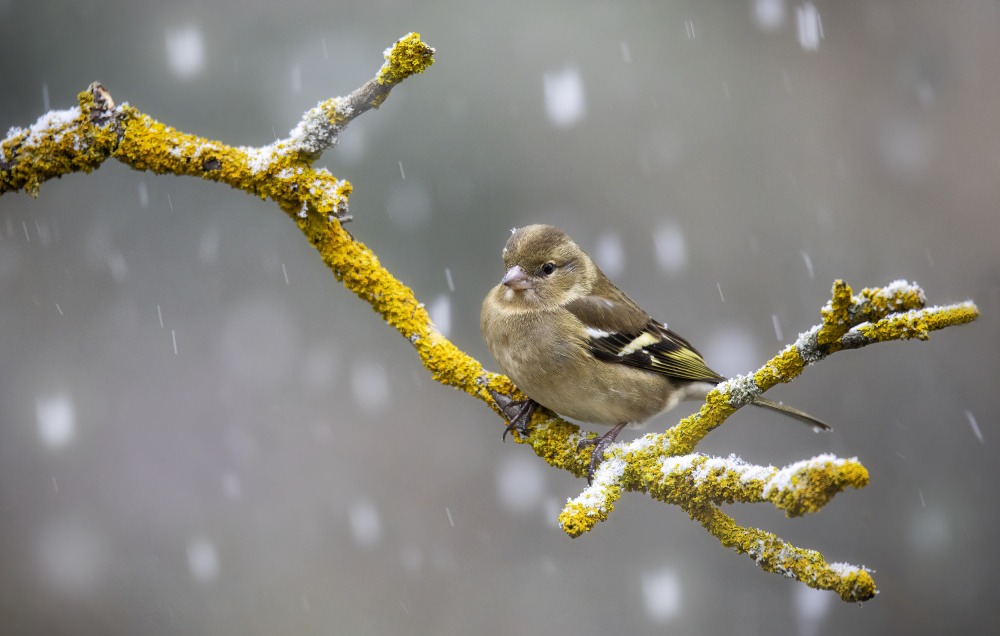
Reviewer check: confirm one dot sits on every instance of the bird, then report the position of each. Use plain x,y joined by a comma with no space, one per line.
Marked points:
573,342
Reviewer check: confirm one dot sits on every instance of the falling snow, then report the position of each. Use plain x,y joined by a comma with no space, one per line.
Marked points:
770,14
809,264
440,313
662,594
370,386
671,251
56,420
520,483
810,26
185,50
564,100
366,525
203,560
811,607
609,254
975,426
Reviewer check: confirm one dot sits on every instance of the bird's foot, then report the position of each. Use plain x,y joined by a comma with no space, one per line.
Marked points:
600,444
522,417
517,412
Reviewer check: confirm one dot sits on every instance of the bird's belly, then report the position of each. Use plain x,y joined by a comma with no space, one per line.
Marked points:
605,404
624,395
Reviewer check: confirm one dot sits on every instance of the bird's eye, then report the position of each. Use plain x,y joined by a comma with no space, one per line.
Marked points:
548,268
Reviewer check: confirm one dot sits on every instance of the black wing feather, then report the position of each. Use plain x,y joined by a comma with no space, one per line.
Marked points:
669,354
624,334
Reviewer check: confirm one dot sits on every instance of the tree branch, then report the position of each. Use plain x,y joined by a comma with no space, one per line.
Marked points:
662,465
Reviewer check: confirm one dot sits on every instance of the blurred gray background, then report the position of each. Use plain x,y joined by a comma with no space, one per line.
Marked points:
201,431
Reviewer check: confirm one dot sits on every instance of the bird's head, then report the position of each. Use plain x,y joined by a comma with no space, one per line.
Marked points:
546,265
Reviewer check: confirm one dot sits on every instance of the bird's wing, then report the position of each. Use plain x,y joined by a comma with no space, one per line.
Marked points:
622,333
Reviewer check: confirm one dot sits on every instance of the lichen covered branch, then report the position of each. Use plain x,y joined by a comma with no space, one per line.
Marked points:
772,554
664,466
893,312
645,465
81,138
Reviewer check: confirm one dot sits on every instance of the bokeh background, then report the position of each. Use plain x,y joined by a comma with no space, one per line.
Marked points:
201,431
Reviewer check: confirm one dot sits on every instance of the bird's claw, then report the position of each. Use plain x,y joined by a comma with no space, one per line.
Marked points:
517,412
600,444
522,417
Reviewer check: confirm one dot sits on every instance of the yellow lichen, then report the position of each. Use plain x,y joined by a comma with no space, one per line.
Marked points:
782,368
686,434
815,486
406,57
918,324
835,315
775,555
874,303
60,142
577,519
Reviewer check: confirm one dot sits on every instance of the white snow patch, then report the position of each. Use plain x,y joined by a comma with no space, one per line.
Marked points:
610,471
55,123
647,441
846,569
259,159
680,463
782,479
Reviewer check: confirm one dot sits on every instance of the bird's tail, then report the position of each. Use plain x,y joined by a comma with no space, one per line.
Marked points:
789,411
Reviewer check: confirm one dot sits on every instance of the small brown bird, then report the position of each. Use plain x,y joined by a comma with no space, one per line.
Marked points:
576,344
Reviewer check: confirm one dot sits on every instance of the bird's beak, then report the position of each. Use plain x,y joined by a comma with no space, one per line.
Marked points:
515,278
